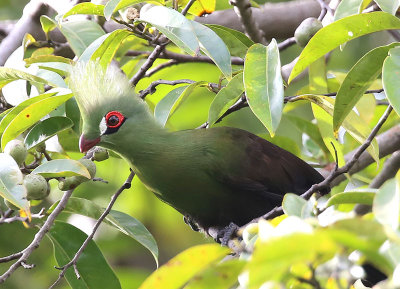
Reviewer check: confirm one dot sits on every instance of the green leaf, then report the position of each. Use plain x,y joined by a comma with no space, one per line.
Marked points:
109,46
8,75
48,24
222,276
123,222
236,41
93,268
30,115
47,58
46,129
264,85
80,34
390,73
293,205
352,197
85,8
225,98
348,7
389,6
342,31
170,103
214,47
62,168
180,269
87,54
386,206
113,6
173,25
11,182
357,81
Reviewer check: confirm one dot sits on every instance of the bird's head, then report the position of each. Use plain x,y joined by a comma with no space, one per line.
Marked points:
108,104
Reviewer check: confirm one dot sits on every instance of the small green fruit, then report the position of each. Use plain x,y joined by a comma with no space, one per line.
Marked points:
41,148
90,166
100,154
36,186
17,150
10,205
307,30
71,182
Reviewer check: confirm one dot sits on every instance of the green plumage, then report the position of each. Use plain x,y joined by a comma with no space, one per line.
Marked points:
214,176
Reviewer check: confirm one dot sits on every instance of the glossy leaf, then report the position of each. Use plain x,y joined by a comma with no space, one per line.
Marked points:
30,115
93,268
80,34
173,25
340,32
292,205
264,85
236,41
213,46
61,168
170,103
386,206
108,48
225,98
222,276
46,129
389,6
87,54
357,81
352,197
390,76
350,7
8,75
48,24
47,58
180,269
85,8
11,182
123,222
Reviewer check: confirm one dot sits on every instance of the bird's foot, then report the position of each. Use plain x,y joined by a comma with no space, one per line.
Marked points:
223,235
189,221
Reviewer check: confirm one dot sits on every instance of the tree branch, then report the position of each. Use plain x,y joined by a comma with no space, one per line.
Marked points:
389,170
152,87
75,259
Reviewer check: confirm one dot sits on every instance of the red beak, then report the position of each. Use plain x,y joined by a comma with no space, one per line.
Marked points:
87,144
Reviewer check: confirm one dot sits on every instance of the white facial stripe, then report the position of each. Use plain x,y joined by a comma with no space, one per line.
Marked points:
103,126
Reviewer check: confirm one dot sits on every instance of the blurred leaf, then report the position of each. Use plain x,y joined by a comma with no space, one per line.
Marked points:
93,268
8,75
342,31
46,129
214,47
85,8
264,85
47,58
386,206
109,46
80,34
236,41
390,76
199,7
352,197
30,115
174,26
48,24
225,98
222,276
123,222
350,7
113,6
61,168
357,81
170,103
293,205
11,182
72,112
389,6
180,269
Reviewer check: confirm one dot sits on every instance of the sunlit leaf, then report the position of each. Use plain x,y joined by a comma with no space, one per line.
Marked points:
47,58
352,197
349,7
390,76
200,7
292,205
8,75
85,8
180,269
339,32
93,268
48,24
61,168
46,129
389,6
264,85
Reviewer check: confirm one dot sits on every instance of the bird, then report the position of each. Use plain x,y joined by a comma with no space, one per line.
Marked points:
217,178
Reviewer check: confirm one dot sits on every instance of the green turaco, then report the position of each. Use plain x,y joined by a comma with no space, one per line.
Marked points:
215,177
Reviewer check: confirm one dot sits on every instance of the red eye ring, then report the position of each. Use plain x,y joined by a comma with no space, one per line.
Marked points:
114,119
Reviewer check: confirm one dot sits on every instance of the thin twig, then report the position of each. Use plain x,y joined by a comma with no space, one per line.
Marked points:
7,220
152,87
10,257
75,259
186,9
286,43
169,63
389,170
38,237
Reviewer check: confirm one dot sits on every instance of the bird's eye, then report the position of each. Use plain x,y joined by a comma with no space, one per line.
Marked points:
114,119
